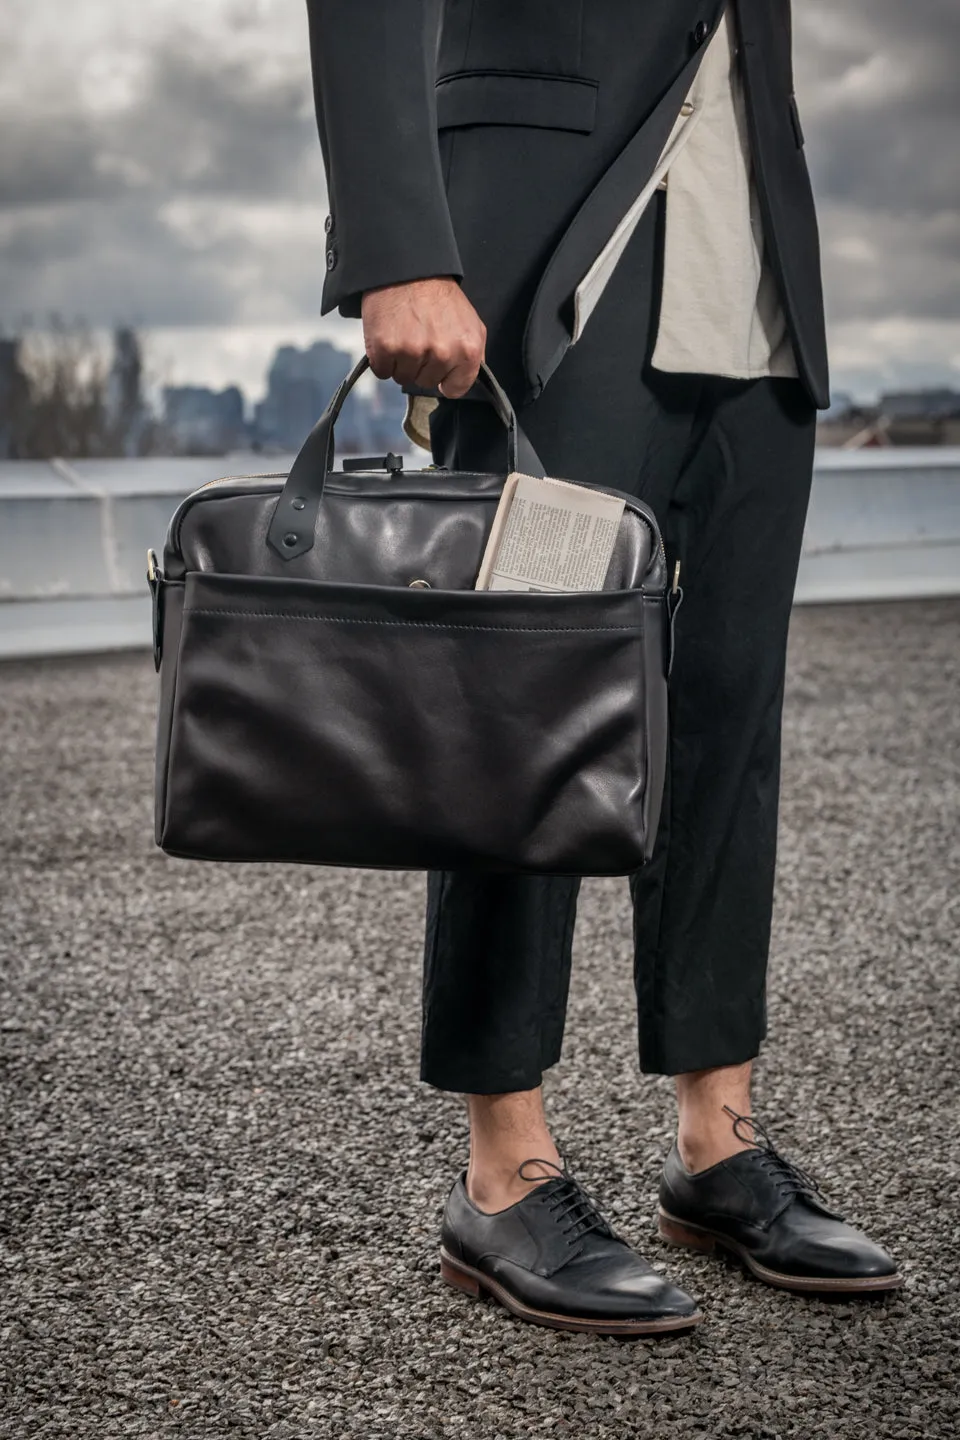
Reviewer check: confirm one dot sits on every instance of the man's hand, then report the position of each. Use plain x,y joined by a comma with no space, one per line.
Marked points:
424,332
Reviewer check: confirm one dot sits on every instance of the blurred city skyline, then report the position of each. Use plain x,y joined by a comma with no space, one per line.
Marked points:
160,168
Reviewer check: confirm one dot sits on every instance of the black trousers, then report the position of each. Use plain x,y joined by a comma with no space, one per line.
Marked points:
726,467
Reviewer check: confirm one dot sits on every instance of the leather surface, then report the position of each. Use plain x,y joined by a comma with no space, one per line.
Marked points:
318,706
372,725
321,710
793,1234
526,1249
380,530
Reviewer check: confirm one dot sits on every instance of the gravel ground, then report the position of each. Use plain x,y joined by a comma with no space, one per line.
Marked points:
222,1180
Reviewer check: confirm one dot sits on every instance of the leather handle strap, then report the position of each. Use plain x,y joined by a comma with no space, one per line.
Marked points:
294,522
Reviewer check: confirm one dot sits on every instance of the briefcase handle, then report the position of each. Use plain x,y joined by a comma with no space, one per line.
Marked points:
294,522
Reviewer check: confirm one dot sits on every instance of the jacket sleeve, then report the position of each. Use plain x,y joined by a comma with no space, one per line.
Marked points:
374,68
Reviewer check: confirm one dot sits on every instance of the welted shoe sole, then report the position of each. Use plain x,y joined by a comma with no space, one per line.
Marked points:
686,1235
474,1282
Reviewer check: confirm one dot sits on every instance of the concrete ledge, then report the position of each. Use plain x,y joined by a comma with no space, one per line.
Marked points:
75,626
883,525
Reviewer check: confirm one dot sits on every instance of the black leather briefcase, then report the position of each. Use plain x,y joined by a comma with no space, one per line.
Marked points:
334,691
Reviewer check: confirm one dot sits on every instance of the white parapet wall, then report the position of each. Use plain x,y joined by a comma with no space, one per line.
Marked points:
74,537
883,525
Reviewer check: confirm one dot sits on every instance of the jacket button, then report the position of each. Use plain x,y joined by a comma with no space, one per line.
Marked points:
328,224
331,259
701,32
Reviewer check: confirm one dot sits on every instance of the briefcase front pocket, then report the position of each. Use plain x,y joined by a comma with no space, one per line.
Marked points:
377,726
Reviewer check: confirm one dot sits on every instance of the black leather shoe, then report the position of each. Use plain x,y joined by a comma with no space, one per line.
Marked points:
769,1213
553,1259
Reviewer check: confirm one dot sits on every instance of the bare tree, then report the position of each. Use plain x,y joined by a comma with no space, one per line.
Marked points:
59,395
14,398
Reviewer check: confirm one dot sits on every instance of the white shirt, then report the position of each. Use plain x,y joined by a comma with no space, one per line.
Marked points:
720,313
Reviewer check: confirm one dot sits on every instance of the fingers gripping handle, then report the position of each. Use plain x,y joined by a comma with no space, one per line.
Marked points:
294,522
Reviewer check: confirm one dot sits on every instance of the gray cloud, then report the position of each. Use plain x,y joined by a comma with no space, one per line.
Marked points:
890,265
881,98
199,124
113,264
144,212
175,177
51,159
877,84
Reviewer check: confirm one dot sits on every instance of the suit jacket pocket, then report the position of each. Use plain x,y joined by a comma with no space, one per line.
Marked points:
509,97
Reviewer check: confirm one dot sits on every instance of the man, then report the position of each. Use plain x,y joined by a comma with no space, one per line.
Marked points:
609,198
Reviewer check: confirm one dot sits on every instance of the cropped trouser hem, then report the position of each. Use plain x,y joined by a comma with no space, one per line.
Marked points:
483,1082
742,1035
740,1041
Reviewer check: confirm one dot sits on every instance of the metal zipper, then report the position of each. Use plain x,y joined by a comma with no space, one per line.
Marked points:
234,479
177,517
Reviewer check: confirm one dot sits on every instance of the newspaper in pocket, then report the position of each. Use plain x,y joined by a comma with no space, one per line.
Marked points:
550,535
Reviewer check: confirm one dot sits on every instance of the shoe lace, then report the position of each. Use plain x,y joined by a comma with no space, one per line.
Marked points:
575,1211
791,1180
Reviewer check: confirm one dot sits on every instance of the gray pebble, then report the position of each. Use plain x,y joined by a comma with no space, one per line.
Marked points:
222,1179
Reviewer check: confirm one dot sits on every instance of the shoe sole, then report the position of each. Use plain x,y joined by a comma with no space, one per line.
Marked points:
686,1235
475,1283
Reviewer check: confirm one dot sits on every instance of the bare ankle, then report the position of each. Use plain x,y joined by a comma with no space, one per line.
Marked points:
709,1101
508,1133
700,1152
494,1188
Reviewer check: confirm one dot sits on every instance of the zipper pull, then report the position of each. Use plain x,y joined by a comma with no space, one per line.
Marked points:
674,601
155,581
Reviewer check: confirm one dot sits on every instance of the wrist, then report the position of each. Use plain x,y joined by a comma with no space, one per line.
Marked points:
410,284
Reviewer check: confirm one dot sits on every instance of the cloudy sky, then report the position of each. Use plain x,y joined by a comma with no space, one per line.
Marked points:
159,165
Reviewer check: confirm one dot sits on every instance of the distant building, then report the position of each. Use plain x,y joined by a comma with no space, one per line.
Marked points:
128,417
848,425
199,421
900,417
921,417
299,386
938,404
840,408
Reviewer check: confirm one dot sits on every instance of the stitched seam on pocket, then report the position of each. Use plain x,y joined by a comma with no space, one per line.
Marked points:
549,75
523,98
418,624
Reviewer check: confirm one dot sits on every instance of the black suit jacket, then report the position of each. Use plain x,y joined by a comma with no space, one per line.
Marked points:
500,141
